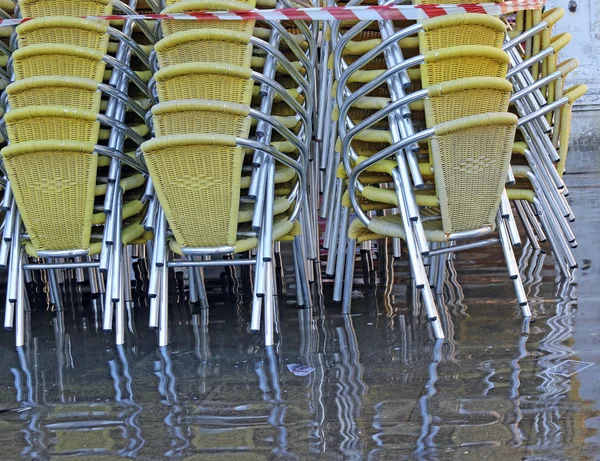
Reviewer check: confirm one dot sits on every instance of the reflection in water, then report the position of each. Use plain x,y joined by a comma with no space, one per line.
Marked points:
379,387
163,369
64,425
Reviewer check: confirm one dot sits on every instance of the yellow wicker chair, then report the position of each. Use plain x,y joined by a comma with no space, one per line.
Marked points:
205,45
471,159
54,91
461,29
66,31
63,60
205,81
35,123
172,26
197,181
79,8
463,61
53,183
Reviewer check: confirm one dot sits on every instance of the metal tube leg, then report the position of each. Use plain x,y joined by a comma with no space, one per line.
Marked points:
20,308
556,250
192,284
513,268
534,222
348,276
341,256
163,320
201,287
431,310
120,319
269,302
52,276
440,273
303,277
529,231
297,276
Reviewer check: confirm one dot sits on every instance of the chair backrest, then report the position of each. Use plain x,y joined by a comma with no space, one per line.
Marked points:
471,157
52,122
461,62
53,183
461,29
197,181
205,45
54,91
572,93
200,116
63,60
464,97
66,31
78,8
187,6
218,82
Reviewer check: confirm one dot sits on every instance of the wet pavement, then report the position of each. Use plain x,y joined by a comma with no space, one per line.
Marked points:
375,385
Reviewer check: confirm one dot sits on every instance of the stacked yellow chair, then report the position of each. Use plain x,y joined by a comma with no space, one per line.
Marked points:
205,89
463,71
57,177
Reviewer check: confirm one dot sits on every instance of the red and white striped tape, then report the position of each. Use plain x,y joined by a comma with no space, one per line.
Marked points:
352,13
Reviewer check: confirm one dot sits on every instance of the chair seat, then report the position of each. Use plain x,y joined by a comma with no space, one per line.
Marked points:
392,226
283,230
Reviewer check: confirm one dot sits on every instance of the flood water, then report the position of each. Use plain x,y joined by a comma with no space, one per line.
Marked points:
375,385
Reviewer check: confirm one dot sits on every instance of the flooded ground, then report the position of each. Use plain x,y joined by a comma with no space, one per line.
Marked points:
370,386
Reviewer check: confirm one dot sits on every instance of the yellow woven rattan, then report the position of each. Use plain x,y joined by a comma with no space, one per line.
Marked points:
54,91
171,26
470,162
205,45
464,97
218,82
66,31
65,60
462,62
78,8
461,29
201,116
53,183
197,181
51,122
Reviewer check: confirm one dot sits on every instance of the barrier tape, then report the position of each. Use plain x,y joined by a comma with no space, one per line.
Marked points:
338,13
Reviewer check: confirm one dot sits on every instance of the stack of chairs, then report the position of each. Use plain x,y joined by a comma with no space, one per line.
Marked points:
75,188
450,127
229,159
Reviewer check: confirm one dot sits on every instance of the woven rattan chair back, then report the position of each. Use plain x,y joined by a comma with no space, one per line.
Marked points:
205,45
471,157
464,97
218,82
51,122
172,26
461,29
63,60
54,91
53,184
77,8
198,116
65,31
197,181
461,62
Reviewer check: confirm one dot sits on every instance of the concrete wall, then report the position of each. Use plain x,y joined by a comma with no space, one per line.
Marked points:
584,26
